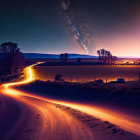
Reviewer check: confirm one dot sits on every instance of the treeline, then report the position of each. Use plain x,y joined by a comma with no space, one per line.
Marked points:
105,57
11,59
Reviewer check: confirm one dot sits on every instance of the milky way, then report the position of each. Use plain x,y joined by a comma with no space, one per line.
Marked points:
77,29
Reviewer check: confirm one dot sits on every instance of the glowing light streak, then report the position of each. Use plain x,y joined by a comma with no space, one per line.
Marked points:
123,121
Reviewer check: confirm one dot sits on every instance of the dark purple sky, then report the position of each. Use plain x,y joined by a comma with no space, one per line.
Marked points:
40,25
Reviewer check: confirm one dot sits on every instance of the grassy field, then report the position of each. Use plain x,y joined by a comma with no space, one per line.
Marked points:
88,73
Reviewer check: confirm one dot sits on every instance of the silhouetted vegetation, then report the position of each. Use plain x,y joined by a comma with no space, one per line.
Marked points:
59,78
106,57
64,57
79,60
12,59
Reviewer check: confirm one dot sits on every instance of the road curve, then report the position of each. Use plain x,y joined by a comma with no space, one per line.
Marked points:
38,120
25,117
44,120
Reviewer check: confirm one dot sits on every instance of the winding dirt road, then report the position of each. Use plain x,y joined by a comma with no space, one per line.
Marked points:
38,120
26,116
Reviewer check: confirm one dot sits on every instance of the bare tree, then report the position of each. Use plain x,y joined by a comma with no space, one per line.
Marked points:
106,57
99,53
79,60
66,56
12,58
61,57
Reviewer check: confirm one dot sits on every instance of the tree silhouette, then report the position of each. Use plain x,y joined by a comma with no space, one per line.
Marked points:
106,57
12,58
61,57
64,57
79,60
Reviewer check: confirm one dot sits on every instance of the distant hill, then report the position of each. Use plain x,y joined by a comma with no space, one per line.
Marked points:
37,55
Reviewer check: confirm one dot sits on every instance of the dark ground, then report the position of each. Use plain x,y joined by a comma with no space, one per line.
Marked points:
120,95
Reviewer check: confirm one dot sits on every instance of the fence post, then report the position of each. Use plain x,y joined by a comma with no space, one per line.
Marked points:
139,77
106,79
94,78
77,79
71,79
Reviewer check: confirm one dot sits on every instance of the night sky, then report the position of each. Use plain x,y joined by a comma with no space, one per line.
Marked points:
40,25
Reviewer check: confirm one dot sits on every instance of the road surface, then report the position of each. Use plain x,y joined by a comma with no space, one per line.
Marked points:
27,116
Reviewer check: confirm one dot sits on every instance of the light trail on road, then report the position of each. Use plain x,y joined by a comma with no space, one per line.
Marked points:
51,123
125,122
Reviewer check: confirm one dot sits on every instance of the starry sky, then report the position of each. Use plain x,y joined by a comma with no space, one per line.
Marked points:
40,26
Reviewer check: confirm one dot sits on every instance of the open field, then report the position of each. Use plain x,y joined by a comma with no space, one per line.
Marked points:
88,73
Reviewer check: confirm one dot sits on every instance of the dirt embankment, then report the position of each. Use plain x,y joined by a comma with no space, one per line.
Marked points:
124,95
102,130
